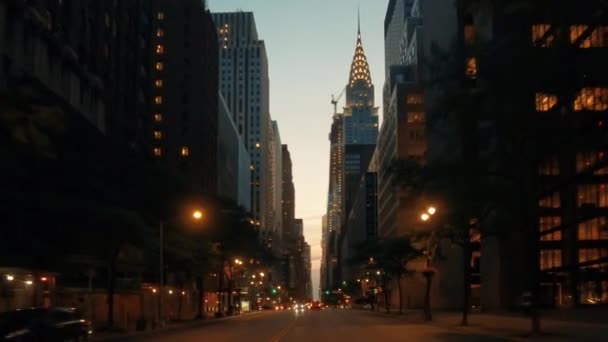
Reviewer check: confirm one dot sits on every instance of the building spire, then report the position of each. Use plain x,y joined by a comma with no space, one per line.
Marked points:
359,69
359,20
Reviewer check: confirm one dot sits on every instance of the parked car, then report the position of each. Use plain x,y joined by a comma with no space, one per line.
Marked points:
44,324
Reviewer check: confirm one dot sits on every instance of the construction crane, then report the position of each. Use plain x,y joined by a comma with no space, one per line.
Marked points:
334,100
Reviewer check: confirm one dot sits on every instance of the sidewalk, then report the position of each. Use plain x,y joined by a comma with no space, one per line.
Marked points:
555,327
111,336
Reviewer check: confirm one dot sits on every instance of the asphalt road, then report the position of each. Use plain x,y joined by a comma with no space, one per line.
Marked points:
309,326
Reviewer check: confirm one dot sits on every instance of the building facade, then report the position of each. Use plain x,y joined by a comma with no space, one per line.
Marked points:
234,165
243,79
184,89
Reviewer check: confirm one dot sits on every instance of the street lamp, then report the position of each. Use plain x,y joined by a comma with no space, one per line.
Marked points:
424,217
197,215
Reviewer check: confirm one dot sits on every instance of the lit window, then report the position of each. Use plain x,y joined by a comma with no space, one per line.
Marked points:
257,145
157,152
158,135
551,201
415,99
598,37
592,195
593,99
544,102
548,223
160,33
158,83
158,100
160,49
594,229
415,117
471,71
585,160
550,258
540,36
160,15
592,254
158,117
469,34
185,151
160,66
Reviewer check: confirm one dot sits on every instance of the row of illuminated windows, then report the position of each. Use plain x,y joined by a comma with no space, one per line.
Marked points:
584,160
592,194
552,258
592,99
590,230
184,151
597,37
587,194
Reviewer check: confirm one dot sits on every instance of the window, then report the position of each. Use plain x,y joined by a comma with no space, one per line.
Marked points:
580,35
160,66
185,151
471,70
548,223
257,145
415,99
158,83
594,229
593,292
550,258
160,15
585,160
545,102
469,34
160,49
158,117
158,100
160,33
157,152
593,99
592,254
592,194
539,31
415,117
549,167
158,135
551,201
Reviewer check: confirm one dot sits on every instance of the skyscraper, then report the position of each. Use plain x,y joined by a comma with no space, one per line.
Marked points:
352,138
243,80
184,108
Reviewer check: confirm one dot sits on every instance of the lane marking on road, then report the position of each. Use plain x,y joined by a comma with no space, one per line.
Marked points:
284,332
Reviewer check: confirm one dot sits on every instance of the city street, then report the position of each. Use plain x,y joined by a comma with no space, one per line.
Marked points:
327,325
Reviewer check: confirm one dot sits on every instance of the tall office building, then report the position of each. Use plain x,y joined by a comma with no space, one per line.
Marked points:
243,79
184,91
288,204
275,198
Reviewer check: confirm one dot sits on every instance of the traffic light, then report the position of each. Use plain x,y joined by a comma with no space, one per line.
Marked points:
257,294
274,291
326,292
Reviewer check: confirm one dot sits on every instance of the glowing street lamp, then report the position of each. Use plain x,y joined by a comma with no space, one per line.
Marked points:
425,217
197,215
10,277
431,210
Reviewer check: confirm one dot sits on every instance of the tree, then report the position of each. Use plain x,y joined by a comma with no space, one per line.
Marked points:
388,258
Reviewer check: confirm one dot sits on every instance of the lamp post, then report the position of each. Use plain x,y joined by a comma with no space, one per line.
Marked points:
197,215
428,270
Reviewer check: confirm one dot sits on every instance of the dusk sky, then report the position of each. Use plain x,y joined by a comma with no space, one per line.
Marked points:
310,46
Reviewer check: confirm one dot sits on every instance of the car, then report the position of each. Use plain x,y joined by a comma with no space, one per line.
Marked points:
316,305
44,324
